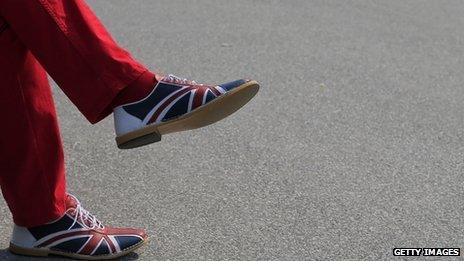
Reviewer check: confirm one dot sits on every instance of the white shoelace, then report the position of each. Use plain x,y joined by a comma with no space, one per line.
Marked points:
175,79
88,220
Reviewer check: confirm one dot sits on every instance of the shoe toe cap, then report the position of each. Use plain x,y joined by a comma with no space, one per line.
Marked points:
128,241
129,237
234,84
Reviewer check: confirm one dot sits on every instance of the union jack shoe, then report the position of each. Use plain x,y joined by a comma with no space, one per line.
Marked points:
78,234
175,105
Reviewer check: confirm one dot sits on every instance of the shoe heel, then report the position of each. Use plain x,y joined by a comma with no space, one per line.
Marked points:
27,251
138,138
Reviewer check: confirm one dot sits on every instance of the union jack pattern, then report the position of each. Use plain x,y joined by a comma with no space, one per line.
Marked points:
196,96
173,97
83,241
79,234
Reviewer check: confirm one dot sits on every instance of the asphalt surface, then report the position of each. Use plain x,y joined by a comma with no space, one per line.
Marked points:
354,145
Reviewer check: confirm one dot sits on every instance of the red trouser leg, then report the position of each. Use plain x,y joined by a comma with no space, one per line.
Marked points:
75,49
79,54
31,157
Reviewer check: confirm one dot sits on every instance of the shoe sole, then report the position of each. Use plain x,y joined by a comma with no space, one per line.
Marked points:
207,114
42,252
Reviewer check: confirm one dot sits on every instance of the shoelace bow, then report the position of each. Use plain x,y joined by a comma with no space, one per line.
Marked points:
175,79
88,220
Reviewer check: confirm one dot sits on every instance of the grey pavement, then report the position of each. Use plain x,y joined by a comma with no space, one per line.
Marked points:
354,145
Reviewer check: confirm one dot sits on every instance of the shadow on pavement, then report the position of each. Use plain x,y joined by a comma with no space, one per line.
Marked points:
6,255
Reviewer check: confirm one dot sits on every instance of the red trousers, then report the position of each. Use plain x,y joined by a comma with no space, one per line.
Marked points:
66,40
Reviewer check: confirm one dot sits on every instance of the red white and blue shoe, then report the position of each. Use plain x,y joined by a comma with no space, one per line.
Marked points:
78,234
177,104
